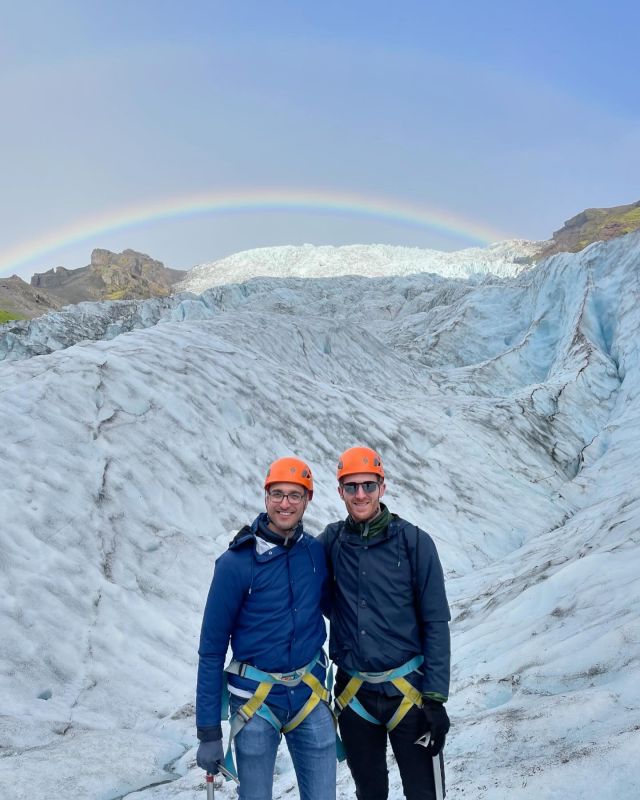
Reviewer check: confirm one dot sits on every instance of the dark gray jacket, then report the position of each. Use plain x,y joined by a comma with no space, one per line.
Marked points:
389,602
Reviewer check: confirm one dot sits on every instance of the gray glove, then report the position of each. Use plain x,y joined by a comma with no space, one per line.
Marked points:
209,754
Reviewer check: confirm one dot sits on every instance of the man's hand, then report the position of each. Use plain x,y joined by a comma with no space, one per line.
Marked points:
437,723
209,754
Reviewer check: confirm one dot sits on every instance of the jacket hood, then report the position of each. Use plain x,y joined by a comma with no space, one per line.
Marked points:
245,535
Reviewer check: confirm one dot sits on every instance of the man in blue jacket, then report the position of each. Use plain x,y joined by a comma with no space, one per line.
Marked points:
389,637
266,597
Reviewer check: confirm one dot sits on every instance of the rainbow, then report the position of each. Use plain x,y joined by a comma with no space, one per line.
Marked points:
248,201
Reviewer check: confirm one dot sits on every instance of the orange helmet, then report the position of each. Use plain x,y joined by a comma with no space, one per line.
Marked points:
359,459
290,470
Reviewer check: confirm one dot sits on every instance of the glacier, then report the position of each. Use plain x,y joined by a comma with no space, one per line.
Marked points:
504,259
105,320
134,442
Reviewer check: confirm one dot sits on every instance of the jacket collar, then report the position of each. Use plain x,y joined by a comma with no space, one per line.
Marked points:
264,532
371,528
259,530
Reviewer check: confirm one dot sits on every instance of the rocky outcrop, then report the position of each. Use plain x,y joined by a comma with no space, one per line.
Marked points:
593,225
110,276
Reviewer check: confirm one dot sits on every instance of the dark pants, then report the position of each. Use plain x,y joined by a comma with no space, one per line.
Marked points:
366,745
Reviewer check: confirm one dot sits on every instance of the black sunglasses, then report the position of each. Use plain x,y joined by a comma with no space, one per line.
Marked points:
368,486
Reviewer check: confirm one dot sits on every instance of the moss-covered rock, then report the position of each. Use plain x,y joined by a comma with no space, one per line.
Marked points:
110,276
593,225
8,316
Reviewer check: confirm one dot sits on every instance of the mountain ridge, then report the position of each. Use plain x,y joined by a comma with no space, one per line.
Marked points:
131,275
128,275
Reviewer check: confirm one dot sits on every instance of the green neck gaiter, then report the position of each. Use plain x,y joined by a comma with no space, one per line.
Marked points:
371,527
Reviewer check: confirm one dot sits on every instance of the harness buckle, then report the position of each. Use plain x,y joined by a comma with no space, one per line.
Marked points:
289,676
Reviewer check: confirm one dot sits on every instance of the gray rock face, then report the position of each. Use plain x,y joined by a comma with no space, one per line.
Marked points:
131,260
53,277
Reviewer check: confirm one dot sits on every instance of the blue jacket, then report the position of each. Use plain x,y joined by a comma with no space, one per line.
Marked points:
389,604
269,606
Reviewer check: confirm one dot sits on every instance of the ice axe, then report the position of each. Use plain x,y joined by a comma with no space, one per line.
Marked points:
211,791
424,741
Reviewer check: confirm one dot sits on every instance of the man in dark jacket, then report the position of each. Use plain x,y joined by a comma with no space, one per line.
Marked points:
389,637
266,597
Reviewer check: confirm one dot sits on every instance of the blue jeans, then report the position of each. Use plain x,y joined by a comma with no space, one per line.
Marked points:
312,746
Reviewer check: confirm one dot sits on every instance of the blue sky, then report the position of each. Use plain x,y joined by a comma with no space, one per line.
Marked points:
505,117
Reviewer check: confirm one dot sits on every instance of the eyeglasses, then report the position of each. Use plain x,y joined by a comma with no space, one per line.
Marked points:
368,486
277,496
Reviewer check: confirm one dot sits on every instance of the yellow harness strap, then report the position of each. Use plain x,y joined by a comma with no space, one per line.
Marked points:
412,697
255,701
318,694
348,693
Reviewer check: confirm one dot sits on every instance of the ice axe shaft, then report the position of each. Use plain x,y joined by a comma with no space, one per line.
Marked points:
437,777
211,791
424,741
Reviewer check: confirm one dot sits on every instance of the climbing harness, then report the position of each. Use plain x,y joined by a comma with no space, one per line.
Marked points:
256,704
411,696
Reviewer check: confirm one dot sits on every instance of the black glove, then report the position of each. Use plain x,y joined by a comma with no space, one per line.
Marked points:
209,754
437,722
